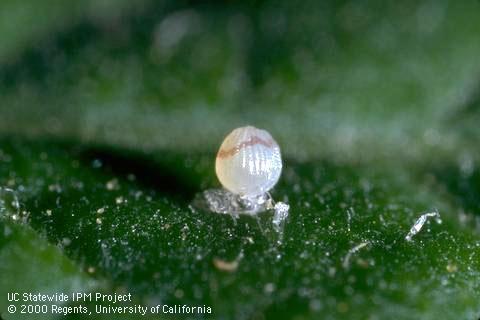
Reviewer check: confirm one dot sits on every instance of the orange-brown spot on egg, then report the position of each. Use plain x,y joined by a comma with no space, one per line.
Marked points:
251,142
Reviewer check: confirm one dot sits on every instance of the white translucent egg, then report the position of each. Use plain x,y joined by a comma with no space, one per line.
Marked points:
248,162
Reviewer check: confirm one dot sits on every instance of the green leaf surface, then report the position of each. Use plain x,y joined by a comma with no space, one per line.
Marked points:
29,264
121,221
111,114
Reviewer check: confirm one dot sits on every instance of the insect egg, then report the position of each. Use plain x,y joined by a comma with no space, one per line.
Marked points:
248,162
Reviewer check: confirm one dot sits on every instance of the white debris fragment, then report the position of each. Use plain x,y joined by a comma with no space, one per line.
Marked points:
350,212
269,287
418,225
66,241
281,213
9,204
112,184
346,260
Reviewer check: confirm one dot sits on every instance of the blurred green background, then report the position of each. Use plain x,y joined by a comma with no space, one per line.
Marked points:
111,113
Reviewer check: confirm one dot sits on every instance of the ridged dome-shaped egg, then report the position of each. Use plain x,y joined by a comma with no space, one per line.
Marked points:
248,162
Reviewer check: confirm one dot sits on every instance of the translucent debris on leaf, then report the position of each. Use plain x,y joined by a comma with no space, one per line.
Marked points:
350,212
281,214
279,217
223,201
9,204
418,225
346,260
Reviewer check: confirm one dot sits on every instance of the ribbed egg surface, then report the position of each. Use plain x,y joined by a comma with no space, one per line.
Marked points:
248,162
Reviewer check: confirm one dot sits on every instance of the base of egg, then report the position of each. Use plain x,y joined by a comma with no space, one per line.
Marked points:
224,201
